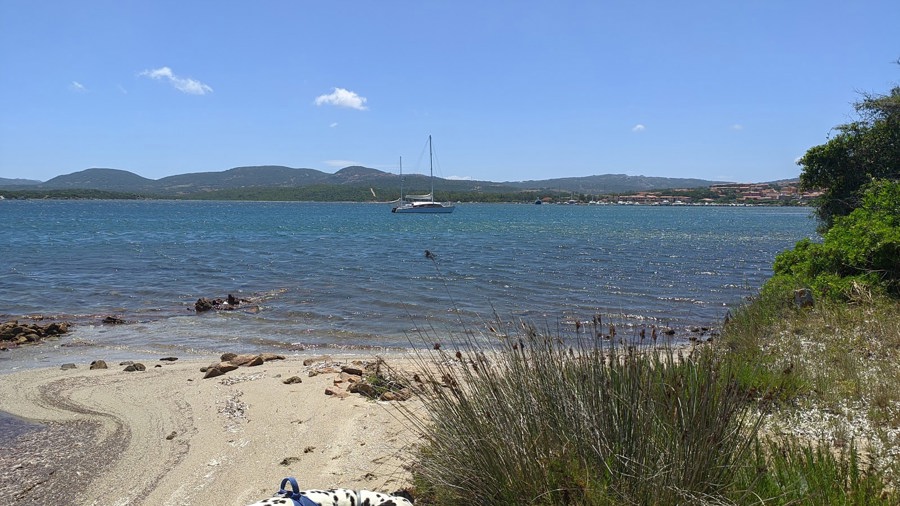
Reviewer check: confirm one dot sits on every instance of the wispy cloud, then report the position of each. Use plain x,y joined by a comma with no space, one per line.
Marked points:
76,86
342,98
737,126
182,84
333,124
638,128
340,164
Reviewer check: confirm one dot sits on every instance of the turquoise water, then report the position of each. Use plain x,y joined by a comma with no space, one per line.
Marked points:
355,275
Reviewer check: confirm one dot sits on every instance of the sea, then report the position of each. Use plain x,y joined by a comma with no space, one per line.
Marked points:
353,276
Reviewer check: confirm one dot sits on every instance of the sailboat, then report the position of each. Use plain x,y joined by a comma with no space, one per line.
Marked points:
422,203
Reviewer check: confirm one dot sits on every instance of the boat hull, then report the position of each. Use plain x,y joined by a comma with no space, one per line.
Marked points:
426,209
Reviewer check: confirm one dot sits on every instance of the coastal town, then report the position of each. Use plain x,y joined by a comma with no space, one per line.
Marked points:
778,193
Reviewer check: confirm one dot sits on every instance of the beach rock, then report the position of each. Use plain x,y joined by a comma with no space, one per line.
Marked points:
203,304
98,364
212,372
349,378
313,360
803,298
230,303
349,369
66,367
364,389
218,369
227,357
400,395
271,356
137,366
169,359
112,320
336,391
247,360
293,380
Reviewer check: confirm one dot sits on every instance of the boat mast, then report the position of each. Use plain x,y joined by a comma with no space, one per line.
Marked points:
402,200
431,167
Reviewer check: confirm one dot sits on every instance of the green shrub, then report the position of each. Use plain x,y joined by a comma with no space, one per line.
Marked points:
795,473
861,250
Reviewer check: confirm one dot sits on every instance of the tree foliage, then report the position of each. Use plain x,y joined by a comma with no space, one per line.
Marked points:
860,152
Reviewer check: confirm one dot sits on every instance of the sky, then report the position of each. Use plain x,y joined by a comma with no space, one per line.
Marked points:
510,90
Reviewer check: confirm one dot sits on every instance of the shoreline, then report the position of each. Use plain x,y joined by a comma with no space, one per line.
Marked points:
166,435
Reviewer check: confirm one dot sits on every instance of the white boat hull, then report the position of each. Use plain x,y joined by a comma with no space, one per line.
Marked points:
426,208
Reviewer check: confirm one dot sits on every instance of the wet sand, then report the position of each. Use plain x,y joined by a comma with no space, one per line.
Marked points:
166,436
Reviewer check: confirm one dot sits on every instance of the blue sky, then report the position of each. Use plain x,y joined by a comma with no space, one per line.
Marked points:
511,90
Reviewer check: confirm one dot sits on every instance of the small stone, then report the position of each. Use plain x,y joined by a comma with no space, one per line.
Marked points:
137,366
66,367
293,380
227,357
169,359
289,460
99,364
171,436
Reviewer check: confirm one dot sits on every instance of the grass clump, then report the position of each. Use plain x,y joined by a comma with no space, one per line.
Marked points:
548,421
579,420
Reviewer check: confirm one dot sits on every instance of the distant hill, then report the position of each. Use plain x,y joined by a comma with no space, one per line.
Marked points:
245,180
5,182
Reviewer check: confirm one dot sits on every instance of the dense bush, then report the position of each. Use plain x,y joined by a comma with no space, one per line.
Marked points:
860,251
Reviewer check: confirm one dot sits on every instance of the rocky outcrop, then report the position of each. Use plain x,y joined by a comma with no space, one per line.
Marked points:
14,333
229,303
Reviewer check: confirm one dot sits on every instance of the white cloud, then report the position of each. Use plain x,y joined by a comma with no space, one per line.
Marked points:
333,124
737,126
183,84
460,178
342,98
76,86
638,128
340,164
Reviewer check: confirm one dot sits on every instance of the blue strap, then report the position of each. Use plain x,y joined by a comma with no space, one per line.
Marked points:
294,494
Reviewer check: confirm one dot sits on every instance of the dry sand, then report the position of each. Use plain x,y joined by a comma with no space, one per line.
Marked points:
166,436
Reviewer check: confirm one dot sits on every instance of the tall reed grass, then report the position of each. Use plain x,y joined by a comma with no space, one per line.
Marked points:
582,421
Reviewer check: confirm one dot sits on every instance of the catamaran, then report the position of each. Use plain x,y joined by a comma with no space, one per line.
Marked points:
421,203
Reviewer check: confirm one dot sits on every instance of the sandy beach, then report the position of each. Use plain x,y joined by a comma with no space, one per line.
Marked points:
167,436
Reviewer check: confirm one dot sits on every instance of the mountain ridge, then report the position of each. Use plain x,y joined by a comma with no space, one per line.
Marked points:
278,176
